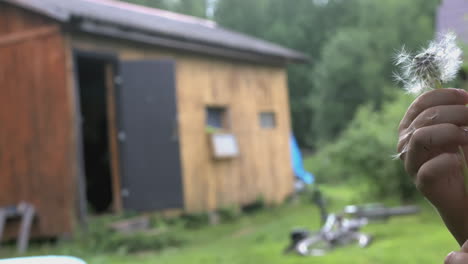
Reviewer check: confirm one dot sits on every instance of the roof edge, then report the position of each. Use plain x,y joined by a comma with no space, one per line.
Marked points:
119,31
184,45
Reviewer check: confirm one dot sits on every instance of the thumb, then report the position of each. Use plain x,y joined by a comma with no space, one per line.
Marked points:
460,257
456,258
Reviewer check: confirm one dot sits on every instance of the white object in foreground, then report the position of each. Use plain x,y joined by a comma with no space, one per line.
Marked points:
43,260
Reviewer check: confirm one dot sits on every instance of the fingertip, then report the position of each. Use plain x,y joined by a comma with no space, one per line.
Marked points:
462,93
456,258
459,93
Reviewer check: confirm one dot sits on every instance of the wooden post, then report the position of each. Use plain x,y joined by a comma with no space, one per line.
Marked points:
81,201
113,140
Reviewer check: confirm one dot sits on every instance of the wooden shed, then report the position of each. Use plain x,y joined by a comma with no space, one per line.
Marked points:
108,106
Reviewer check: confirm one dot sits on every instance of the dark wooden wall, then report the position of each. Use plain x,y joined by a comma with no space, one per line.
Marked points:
37,153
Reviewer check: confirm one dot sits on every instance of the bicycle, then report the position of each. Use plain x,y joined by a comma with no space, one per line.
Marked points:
342,228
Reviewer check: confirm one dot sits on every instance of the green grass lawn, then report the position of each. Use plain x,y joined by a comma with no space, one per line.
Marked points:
261,238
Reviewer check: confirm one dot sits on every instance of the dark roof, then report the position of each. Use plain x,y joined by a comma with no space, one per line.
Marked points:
159,27
452,16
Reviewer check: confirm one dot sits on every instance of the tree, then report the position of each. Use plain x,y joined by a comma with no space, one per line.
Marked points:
363,152
346,78
356,65
196,8
245,16
189,7
161,4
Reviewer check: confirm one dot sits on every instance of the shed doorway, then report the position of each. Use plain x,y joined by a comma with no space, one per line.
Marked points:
95,82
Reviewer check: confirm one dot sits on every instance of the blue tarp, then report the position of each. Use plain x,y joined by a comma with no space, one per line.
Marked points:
297,164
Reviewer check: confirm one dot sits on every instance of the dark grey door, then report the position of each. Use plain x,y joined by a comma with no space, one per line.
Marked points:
150,160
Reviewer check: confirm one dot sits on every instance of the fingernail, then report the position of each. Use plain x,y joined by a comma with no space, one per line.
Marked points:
449,257
466,130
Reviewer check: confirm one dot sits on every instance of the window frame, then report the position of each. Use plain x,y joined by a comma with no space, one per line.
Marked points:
224,123
271,122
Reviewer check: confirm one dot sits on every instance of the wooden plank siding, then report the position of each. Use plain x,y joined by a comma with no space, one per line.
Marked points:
37,152
263,168
14,20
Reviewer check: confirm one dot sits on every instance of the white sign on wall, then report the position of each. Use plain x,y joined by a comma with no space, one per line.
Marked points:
224,145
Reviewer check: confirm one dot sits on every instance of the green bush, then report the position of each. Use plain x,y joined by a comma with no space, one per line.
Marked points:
100,238
229,213
364,152
256,206
195,220
139,242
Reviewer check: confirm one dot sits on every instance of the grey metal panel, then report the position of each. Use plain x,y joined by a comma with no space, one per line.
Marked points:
150,159
157,22
81,181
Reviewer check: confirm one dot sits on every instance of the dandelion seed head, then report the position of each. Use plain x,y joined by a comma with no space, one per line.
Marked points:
398,78
438,63
402,56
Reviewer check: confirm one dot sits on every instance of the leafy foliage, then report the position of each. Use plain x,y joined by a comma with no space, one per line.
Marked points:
161,4
346,80
100,238
195,220
189,7
364,152
356,63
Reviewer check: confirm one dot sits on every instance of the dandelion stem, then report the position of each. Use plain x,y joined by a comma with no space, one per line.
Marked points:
464,168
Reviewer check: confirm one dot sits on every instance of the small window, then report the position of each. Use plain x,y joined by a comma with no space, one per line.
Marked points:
216,117
267,120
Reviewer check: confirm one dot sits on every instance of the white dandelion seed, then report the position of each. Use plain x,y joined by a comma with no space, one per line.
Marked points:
438,63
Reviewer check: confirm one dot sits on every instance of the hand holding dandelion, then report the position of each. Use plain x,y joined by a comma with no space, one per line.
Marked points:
427,70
